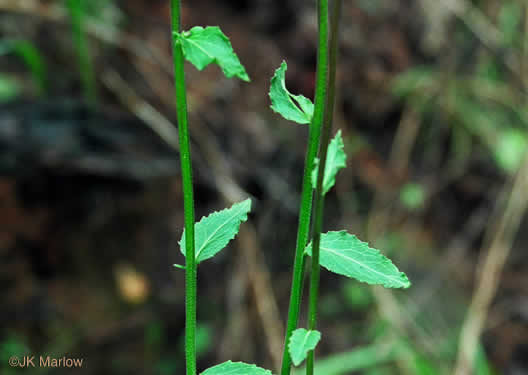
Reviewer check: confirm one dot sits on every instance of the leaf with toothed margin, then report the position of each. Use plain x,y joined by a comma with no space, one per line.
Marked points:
212,233
281,99
335,160
235,368
203,46
301,342
345,254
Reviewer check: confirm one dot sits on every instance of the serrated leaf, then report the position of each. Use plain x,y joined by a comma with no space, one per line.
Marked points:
235,368
212,233
335,160
203,46
345,254
281,99
301,342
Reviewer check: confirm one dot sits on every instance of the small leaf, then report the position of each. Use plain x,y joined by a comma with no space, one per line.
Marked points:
235,368
180,266
214,232
345,254
301,342
282,103
202,47
335,160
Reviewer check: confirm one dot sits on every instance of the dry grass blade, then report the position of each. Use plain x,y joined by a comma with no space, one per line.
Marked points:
500,244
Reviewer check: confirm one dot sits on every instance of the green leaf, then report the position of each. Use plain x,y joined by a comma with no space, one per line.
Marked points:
301,342
282,103
417,80
202,47
345,254
214,232
335,160
235,368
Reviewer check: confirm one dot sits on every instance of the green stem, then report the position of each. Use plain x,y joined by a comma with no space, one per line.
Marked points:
77,11
307,189
319,194
188,200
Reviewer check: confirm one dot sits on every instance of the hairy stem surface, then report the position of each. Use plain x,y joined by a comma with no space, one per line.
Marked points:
188,200
319,194
307,189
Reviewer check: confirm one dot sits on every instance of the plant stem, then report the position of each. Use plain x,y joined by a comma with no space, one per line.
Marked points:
307,189
77,12
319,194
188,200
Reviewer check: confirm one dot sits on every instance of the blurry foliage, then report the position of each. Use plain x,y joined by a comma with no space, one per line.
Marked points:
105,11
412,196
8,88
485,101
12,346
31,57
357,296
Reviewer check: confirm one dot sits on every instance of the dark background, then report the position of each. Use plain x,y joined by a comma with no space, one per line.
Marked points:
433,108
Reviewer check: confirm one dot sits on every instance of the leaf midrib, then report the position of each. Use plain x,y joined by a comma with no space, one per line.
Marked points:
362,264
200,48
303,347
213,233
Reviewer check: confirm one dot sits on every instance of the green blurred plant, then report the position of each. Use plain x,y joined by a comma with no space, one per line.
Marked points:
12,346
483,98
32,58
78,11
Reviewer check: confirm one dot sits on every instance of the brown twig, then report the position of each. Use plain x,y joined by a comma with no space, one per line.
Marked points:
498,248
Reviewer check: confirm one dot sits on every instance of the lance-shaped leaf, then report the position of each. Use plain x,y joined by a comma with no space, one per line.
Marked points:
282,103
301,342
235,368
214,232
335,160
345,254
202,47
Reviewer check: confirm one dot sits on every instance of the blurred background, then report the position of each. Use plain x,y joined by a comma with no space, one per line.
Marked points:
432,102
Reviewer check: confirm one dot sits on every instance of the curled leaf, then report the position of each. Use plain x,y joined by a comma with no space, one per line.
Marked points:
282,103
335,160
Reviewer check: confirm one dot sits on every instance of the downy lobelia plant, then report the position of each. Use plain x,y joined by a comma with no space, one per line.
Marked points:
338,252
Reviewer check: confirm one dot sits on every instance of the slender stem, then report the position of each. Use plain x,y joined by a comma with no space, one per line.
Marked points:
319,194
188,200
307,189
77,12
